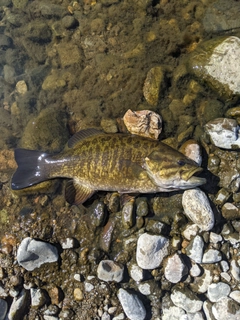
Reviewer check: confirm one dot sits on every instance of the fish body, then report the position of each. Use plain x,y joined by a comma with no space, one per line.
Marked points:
109,162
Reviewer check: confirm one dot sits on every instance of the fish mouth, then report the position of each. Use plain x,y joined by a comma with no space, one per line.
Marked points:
190,177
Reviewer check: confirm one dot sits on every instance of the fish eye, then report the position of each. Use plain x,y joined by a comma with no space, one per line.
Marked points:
181,163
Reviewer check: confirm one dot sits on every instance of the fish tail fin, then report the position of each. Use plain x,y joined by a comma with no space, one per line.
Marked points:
31,168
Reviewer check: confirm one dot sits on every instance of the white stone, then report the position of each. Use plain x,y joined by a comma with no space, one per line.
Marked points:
211,256
109,270
132,305
144,288
37,297
172,313
190,230
235,295
88,286
215,238
32,254
18,305
68,243
226,309
216,291
195,270
225,276
197,208
235,270
224,132
195,249
224,64
151,250
186,299
135,272
205,281
174,268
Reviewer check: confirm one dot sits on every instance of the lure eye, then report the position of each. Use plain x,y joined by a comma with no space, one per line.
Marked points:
181,163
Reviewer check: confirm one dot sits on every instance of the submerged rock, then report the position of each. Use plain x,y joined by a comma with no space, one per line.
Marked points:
32,254
152,85
197,208
217,62
151,250
132,305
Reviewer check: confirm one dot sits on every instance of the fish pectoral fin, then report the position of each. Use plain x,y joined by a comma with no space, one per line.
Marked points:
76,193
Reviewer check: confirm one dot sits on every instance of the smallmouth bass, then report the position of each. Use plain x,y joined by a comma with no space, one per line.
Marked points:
97,161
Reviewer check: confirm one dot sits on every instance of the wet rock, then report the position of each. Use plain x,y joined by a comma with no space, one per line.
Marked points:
195,270
68,54
197,208
152,85
211,256
216,291
173,313
38,297
106,236
235,270
3,309
19,305
186,299
151,250
156,227
69,22
132,305
141,207
215,61
109,270
50,10
32,254
144,123
175,268
195,249
230,211
215,238
192,150
127,214
109,125
224,133
226,308
222,16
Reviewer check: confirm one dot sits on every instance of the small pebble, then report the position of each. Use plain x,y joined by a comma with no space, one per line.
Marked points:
186,299
211,256
216,291
230,211
135,272
215,238
195,270
78,294
195,249
21,87
88,286
235,295
132,305
174,268
38,297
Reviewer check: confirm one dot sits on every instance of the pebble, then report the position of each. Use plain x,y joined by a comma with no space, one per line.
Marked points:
195,270
127,214
211,256
230,211
172,313
132,305
186,299
78,294
215,238
68,243
21,87
32,254
18,306
152,84
226,309
197,208
192,150
145,288
190,230
223,133
201,283
38,297
235,295
141,207
195,249
151,250
3,309
88,286
135,272
109,270
225,276
175,268
218,290
235,270
119,317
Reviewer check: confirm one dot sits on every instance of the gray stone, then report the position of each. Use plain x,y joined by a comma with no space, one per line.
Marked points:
226,309
190,231
18,306
173,313
211,256
201,283
195,249
197,208
132,305
186,299
195,270
109,270
235,270
175,268
32,254
135,272
151,250
235,295
38,297
3,309
218,290
215,238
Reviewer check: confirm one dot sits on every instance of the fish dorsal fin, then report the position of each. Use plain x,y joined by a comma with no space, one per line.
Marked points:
81,135
76,193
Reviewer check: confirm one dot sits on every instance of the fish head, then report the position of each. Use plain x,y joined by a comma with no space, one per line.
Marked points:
172,170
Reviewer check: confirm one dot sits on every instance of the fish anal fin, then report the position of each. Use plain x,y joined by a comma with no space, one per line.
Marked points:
76,193
81,135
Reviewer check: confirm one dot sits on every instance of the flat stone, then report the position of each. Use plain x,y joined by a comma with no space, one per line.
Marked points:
32,254
226,309
109,270
235,295
151,250
3,309
195,249
216,291
197,208
38,297
132,305
186,299
175,268
211,256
